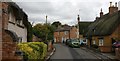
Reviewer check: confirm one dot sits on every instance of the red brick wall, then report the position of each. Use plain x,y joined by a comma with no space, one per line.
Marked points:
8,48
59,35
117,50
73,32
5,17
0,31
56,36
113,9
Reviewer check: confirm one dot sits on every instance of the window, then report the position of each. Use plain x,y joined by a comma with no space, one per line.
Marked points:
18,22
93,41
66,32
100,42
20,40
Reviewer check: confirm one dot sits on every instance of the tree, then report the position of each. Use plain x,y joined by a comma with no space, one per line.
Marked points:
29,32
56,24
45,31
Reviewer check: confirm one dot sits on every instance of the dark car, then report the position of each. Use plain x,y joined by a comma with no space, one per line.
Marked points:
67,42
116,44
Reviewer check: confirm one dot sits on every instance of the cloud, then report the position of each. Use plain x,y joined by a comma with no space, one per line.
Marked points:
65,11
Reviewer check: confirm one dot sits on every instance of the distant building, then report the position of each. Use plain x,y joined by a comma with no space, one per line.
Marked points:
65,32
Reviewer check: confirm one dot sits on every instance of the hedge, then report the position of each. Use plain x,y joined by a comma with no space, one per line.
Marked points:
33,50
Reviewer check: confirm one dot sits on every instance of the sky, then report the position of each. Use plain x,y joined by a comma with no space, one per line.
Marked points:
65,11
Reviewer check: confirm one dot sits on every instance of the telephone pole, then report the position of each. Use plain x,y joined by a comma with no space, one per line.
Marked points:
46,29
46,19
78,20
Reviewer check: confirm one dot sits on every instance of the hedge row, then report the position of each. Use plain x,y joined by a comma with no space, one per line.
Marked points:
33,50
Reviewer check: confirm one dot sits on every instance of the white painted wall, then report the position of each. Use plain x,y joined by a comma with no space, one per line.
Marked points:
19,31
119,5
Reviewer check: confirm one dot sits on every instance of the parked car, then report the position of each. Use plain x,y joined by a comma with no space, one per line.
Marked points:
67,41
74,43
116,44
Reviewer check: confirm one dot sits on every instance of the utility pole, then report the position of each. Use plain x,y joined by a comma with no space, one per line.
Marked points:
78,26
46,30
78,20
46,19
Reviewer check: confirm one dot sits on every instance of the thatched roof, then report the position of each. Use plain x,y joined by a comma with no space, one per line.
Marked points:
104,25
83,27
18,13
63,28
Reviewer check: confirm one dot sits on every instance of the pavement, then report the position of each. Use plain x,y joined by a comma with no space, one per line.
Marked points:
108,55
49,54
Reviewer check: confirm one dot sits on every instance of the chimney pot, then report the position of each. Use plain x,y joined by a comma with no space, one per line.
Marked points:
115,4
110,4
101,13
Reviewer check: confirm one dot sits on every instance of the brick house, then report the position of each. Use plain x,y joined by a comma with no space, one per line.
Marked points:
14,29
65,32
105,30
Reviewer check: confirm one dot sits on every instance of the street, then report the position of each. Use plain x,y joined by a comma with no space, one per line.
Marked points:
65,52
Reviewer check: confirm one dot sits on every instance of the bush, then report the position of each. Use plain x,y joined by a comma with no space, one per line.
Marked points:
33,50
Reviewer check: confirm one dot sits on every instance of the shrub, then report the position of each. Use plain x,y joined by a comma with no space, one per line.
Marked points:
33,50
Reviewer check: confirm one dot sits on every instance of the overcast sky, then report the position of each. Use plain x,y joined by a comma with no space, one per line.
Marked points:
65,11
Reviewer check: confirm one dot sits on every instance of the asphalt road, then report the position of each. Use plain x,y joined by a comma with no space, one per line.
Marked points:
67,53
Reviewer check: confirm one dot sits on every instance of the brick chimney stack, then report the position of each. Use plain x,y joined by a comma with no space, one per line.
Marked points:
101,13
110,4
113,8
78,19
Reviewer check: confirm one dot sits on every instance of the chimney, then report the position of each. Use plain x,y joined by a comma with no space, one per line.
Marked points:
112,8
78,19
110,4
101,13
115,4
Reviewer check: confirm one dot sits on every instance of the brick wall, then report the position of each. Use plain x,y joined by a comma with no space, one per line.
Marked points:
0,31
5,17
8,48
70,34
73,32
117,50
